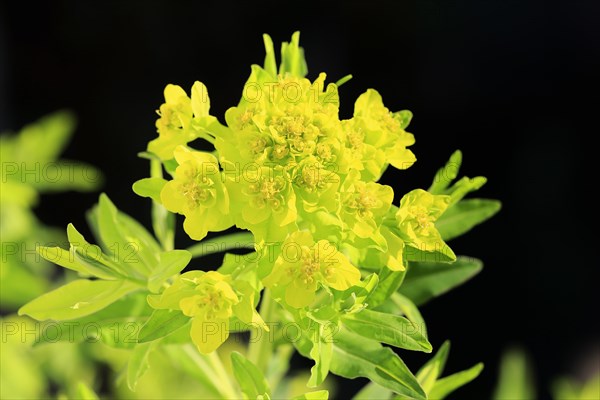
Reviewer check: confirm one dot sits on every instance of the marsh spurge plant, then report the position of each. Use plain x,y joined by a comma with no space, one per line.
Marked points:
337,267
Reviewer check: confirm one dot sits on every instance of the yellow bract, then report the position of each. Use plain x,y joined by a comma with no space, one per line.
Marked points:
181,119
375,137
304,264
211,309
416,218
210,299
364,204
198,193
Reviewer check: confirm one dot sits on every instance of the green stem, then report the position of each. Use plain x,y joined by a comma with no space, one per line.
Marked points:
239,240
228,389
260,349
163,222
206,136
204,368
279,365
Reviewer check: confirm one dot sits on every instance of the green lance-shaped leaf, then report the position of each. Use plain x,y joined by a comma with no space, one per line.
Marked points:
463,187
270,64
343,80
171,263
62,175
425,281
409,309
76,299
321,352
433,369
68,259
292,58
138,363
30,285
572,389
465,215
316,395
251,380
149,187
440,253
445,175
161,323
92,255
356,356
373,391
84,392
515,380
46,138
387,328
405,117
108,229
123,237
147,244
398,304
449,384
389,282
115,325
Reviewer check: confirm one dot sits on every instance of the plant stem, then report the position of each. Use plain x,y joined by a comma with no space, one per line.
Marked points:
260,349
163,222
238,240
228,390
204,368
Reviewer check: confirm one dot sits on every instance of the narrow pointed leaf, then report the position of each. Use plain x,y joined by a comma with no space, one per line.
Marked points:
171,263
465,215
387,328
316,395
432,370
355,356
321,353
161,323
249,377
410,310
515,380
449,384
463,187
372,391
149,187
425,281
270,62
389,282
115,325
441,253
138,364
445,175
76,299
84,392
67,175
67,259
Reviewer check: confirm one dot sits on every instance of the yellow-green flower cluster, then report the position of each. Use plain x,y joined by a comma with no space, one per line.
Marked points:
304,181
287,154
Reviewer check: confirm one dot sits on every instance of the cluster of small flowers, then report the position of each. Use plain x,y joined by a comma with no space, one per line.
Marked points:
289,170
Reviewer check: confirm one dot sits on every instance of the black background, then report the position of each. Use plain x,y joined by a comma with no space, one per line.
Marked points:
508,82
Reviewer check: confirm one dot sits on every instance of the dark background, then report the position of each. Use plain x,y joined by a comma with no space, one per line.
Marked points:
508,82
